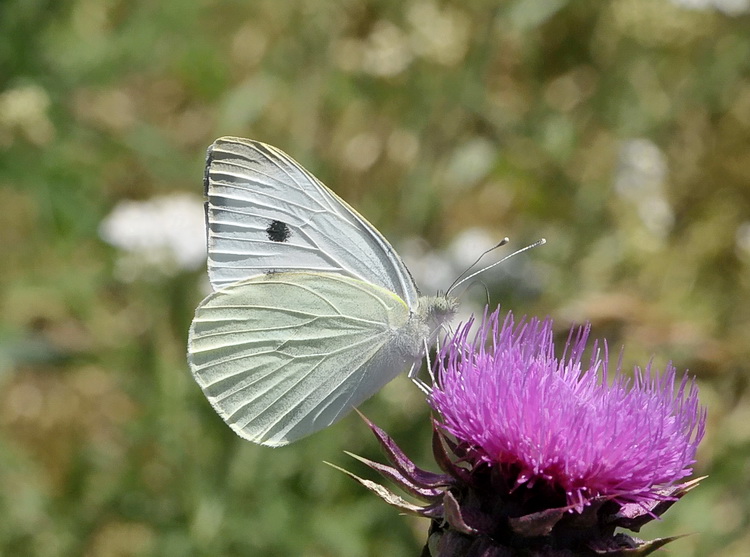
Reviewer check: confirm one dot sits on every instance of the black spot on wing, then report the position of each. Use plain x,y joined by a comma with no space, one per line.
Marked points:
278,231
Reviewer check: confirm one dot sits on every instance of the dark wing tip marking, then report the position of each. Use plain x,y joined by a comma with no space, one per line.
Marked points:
278,231
207,168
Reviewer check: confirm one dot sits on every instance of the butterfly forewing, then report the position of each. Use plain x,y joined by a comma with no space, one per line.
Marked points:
266,213
284,355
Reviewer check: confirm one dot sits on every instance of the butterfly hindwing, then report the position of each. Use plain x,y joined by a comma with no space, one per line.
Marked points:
280,356
266,213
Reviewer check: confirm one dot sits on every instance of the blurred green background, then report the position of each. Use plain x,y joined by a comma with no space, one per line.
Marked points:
618,130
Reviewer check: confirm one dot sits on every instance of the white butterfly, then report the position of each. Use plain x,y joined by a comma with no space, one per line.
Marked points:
313,310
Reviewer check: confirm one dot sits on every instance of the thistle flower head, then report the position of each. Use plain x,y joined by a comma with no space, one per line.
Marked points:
554,421
544,455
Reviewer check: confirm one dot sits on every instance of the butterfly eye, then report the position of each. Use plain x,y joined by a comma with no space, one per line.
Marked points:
278,231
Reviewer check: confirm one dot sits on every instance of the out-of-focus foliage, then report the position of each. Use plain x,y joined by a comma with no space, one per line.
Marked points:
618,130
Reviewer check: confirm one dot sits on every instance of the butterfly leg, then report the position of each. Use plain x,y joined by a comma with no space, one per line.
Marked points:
429,362
414,372
421,385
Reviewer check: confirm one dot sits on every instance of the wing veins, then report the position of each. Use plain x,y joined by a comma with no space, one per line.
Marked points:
252,168
338,334
312,369
266,197
328,396
255,380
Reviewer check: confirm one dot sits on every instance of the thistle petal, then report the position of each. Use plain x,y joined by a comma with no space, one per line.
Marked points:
629,547
396,456
453,515
537,524
391,498
404,482
441,449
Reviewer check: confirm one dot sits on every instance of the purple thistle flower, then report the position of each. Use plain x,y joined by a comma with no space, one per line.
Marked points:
550,456
544,420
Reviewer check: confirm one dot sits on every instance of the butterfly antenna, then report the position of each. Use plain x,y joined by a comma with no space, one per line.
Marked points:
458,282
478,259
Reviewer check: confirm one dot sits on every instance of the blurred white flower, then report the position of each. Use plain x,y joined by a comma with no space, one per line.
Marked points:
640,177
729,7
158,237
403,146
440,34
23,110
362,151
470,163
386,51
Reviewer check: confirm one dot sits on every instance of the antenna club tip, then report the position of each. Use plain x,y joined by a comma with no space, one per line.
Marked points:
542,241
500,243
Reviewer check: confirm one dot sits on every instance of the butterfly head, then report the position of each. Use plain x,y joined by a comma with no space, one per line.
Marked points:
436,311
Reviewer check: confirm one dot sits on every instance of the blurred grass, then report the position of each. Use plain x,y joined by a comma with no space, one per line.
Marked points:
514,116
